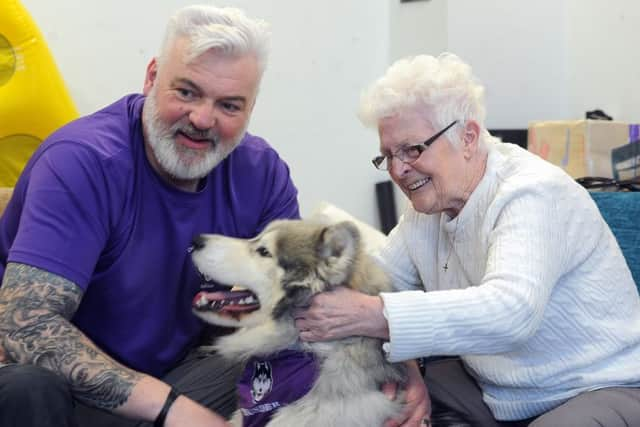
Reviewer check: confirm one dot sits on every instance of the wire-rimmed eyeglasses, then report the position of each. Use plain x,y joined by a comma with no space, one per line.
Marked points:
408,154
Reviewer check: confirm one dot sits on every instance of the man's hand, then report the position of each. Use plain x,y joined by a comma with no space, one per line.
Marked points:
186,412
341,313
417,405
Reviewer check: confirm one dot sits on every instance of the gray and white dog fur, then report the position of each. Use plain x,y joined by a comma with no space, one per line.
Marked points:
285,266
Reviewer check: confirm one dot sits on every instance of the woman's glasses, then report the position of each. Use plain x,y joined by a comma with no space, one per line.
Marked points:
408,154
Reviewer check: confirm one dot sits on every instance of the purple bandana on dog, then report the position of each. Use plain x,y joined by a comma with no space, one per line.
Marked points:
272,382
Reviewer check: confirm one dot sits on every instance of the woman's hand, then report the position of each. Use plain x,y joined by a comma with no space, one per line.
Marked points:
417,405
342,312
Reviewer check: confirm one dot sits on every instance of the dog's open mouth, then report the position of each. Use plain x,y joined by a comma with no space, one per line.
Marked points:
233,303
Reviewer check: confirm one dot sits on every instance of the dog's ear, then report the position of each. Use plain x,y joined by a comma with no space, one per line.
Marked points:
295,295
337,249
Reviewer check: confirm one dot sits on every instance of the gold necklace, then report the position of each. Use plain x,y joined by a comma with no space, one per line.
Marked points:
445,267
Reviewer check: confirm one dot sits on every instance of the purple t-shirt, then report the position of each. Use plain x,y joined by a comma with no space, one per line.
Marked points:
90,208
269,383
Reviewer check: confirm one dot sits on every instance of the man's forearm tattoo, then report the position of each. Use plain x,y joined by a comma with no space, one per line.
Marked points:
35,308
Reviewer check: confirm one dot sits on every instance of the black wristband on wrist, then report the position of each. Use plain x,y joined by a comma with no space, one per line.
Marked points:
173,395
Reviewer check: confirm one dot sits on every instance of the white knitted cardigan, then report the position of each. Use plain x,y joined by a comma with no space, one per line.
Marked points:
537,299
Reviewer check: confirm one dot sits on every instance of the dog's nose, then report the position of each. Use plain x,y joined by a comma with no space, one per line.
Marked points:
197,243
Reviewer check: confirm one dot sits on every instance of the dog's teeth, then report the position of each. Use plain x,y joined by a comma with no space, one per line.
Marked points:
247,300
207,277
202,301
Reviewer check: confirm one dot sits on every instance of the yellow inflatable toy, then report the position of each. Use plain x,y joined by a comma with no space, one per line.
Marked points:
33,98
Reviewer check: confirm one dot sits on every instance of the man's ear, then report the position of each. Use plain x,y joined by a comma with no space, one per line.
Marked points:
471,138
150,76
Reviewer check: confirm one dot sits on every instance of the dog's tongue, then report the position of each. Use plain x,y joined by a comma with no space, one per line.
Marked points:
236,301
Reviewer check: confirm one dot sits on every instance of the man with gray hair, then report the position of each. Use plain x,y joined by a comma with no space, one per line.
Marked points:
96,325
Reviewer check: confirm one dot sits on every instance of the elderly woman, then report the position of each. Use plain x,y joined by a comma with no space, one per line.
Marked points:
524,280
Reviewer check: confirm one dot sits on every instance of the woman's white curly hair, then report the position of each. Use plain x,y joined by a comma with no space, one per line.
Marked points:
443,87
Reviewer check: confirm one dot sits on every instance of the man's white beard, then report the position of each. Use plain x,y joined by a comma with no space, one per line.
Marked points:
178,161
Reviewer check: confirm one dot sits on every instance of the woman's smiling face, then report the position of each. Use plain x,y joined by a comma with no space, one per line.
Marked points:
435,181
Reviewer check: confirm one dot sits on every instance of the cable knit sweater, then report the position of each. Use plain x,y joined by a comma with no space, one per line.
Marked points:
537,299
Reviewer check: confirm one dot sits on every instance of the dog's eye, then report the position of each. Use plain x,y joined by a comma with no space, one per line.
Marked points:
263,252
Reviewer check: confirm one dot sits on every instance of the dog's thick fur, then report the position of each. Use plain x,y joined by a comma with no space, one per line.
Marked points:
288,263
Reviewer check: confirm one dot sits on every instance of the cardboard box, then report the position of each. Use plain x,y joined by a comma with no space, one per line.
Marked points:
580,147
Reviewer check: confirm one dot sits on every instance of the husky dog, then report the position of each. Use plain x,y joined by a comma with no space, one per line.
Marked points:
280,270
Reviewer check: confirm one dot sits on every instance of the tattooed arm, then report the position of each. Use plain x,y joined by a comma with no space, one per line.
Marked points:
35,309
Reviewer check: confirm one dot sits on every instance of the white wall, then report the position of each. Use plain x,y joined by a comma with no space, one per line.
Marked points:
518,50
604,57
550,59
323,54
417,27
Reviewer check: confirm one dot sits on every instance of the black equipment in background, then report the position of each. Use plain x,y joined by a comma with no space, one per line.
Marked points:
386,206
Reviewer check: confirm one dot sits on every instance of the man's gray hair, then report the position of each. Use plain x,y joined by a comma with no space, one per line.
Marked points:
225,30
